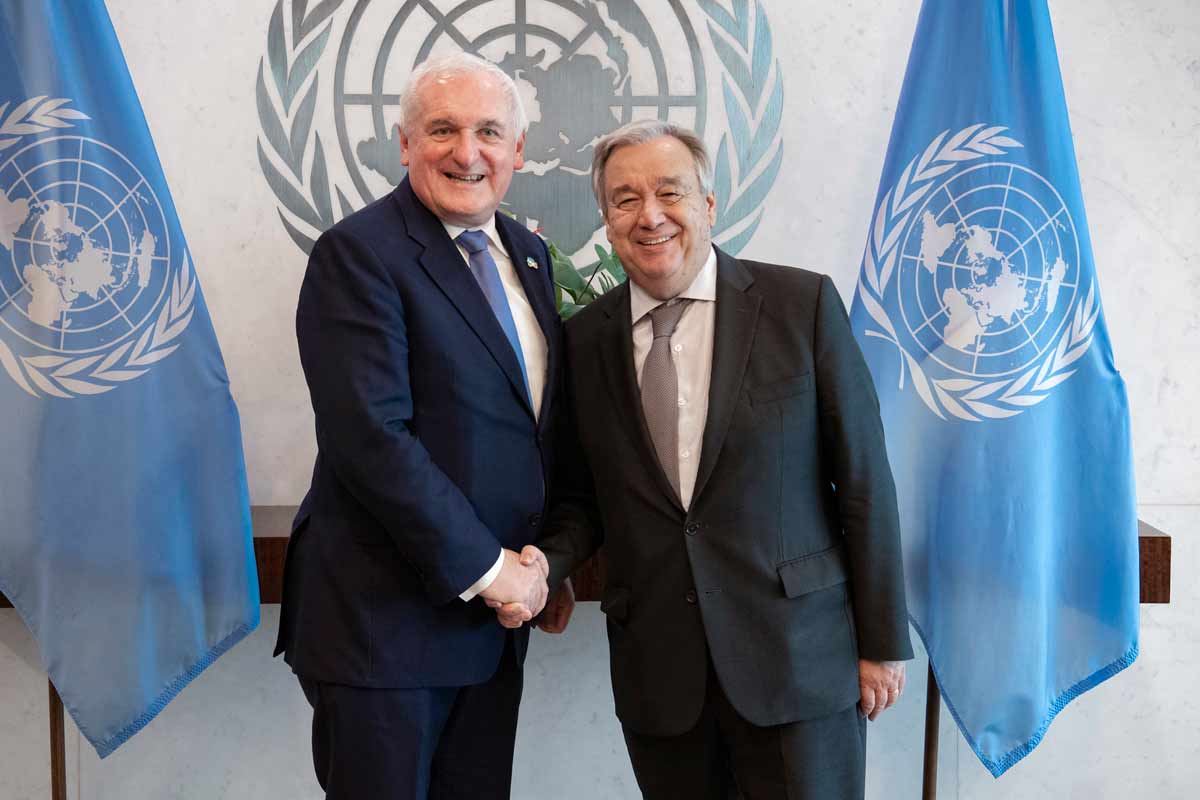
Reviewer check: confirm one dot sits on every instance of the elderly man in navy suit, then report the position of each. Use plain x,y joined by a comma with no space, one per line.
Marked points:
430,344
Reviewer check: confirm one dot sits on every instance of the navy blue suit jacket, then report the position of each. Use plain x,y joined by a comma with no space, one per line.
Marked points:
430,458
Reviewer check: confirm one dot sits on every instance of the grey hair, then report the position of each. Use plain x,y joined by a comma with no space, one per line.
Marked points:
643,131
455,64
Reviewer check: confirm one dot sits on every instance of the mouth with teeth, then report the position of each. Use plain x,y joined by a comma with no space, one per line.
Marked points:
660,240
473,178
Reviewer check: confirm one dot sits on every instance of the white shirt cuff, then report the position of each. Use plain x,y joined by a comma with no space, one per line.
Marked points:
483,583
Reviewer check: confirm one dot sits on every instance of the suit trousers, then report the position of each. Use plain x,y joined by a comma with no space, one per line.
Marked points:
724,757
440,743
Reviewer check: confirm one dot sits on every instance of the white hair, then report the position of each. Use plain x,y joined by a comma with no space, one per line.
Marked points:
451,65
640,132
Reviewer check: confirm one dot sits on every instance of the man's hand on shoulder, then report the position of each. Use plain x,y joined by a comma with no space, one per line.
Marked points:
880,684
519,592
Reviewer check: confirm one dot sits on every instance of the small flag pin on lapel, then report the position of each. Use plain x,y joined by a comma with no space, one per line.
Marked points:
531,262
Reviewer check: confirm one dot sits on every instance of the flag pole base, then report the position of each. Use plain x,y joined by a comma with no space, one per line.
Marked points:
933,708
58,756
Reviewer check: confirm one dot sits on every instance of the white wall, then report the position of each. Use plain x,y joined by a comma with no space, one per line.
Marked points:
1132,74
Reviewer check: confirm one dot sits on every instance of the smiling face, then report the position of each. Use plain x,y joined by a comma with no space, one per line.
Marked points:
463,147
657,219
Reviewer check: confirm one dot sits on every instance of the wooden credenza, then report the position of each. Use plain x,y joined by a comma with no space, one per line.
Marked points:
273,523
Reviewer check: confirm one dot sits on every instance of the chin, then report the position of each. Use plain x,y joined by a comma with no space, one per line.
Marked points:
471,216
664,273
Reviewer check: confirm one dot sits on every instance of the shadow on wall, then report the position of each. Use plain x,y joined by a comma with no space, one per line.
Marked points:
16,639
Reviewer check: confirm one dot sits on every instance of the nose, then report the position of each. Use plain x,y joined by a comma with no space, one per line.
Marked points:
466,149
651,214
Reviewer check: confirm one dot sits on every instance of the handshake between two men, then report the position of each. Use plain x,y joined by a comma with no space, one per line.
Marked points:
756,595
520,594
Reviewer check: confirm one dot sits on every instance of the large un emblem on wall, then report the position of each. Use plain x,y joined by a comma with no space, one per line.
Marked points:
90,293
972,272
328,99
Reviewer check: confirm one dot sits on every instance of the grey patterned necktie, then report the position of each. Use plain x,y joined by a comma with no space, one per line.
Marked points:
660,389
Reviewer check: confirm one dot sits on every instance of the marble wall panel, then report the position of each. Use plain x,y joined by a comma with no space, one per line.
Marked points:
24,733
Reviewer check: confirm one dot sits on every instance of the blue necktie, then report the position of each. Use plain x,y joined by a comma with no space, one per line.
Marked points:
483,267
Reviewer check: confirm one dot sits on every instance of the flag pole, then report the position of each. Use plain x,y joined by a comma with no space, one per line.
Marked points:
58,760
933,708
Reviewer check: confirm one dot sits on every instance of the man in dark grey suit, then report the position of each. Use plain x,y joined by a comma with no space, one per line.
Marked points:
731,459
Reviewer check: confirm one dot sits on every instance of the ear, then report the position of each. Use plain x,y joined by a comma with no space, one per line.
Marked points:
711,211
403,145
519,161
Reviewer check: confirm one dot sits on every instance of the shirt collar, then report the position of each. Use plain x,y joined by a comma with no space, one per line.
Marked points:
704,287
488,228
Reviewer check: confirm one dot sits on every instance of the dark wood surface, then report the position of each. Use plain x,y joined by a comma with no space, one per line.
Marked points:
272,525
1154,549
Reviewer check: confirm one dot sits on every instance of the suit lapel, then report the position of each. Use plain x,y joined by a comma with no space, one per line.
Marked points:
737,317
445,266
617,348
534,281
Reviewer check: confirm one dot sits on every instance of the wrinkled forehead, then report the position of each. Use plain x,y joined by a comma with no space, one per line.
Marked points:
649,166
464,97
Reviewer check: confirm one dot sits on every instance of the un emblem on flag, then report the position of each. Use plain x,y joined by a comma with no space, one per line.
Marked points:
972,272
328,99
88,294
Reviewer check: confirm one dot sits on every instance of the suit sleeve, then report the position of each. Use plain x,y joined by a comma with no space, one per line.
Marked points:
354,350
573,531
853,444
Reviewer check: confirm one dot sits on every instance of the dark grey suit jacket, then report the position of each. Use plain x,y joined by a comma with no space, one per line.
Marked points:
787,567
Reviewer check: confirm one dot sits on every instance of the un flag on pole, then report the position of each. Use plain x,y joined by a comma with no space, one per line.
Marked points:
978,310
125,544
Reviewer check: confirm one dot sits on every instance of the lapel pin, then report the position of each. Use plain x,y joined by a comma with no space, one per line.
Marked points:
531,262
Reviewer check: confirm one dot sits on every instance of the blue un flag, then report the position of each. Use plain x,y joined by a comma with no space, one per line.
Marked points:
978,310
125,544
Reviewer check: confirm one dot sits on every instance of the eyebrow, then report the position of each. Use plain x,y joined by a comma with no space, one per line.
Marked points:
668,180
441,122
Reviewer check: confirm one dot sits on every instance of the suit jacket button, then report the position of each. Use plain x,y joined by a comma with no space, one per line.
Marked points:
535,520
692,529
691,596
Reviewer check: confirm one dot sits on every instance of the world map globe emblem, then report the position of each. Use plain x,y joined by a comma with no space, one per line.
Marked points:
582,70
974,273
988,271
84,248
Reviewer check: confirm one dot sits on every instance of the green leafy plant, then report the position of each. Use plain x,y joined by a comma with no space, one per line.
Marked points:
575,288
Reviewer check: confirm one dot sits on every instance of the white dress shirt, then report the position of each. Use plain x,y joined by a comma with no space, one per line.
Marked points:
691,350
529,334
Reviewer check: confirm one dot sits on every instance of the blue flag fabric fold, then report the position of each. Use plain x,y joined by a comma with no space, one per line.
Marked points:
125,545
979,313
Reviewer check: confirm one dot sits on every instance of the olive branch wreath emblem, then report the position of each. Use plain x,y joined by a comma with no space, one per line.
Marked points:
287,89
63,376
36,115
967,399
293,64
753,93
